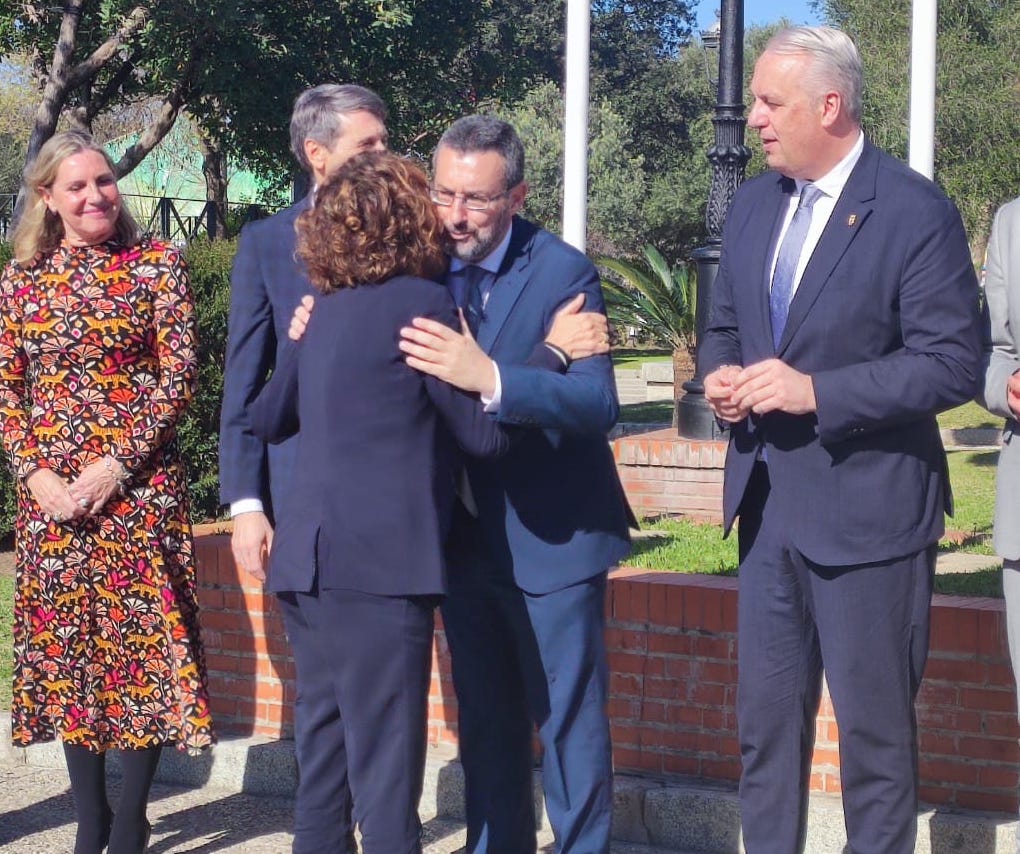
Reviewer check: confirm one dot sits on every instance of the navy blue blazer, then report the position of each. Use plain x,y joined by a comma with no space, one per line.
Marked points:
267,283
886,322
375,473
552,511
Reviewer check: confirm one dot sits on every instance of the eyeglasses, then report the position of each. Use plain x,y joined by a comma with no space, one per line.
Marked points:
472,201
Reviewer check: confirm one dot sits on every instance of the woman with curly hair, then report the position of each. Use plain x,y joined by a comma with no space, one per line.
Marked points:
97,364
357,557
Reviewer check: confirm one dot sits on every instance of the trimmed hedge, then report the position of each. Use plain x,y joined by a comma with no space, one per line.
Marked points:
198,432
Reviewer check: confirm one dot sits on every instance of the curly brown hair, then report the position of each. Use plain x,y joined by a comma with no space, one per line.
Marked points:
371,220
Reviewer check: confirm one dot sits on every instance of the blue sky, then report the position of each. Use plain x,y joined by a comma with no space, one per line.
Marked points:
761,12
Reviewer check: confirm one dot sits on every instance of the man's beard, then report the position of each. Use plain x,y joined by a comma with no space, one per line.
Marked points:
477,247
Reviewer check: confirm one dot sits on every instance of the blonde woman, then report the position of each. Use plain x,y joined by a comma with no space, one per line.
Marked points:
97,363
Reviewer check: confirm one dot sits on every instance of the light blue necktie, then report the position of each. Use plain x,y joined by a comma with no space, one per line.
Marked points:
786,262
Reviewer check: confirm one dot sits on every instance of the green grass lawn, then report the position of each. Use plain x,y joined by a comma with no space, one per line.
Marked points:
634,357
969,415
972,474
681,546
6,617
651,412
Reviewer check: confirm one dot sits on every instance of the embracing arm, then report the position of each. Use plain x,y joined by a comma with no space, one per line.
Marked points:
1001,386
580,400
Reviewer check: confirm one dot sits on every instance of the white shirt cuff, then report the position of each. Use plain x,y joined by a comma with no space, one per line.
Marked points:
246,505
492,403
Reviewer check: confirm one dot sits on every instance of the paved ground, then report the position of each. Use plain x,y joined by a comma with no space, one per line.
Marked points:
37,817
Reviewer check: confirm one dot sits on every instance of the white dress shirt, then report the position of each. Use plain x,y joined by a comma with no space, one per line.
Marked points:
831,185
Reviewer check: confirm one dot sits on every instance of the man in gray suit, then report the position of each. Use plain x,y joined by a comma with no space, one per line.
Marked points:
1001,396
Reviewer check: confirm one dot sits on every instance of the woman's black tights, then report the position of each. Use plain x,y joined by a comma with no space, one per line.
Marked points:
127,832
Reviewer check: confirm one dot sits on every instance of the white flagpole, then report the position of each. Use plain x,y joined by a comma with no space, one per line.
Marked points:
922,86
575,139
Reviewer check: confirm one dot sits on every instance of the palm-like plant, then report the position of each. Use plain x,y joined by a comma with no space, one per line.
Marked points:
657,299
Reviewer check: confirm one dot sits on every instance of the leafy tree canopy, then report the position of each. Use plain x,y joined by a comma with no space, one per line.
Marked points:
977,111
236,65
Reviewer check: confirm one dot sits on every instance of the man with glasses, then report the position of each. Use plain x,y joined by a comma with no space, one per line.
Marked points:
536,530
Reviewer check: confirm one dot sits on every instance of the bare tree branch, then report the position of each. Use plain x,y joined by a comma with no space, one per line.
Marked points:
165,118
55,91
88,68
101,100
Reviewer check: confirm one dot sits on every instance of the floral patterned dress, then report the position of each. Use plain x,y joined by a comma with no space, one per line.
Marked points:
97,356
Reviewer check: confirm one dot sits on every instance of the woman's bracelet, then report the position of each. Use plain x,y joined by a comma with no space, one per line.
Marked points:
119,474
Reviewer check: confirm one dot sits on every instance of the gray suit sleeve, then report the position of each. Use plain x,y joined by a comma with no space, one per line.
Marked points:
1002,281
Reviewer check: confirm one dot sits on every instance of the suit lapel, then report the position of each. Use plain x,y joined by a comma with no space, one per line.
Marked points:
853,207
764,228
509,284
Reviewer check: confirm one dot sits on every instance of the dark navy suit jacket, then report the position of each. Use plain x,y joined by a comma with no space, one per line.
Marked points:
885,321
552,511
267,283
374,477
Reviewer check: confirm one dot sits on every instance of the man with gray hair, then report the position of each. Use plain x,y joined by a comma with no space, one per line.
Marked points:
844,317
330,124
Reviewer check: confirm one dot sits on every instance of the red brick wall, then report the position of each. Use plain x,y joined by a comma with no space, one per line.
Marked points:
251,672
662,473
672,646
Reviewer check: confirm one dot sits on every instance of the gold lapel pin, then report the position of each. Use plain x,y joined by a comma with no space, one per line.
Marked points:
851,220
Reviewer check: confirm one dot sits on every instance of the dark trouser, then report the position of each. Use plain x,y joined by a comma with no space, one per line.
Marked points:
127,832
363,667
519,660
868,626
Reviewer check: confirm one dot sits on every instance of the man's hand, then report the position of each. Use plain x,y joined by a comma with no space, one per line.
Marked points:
578,333
454,357
720,397
773,386
1013,394
251,541
299,321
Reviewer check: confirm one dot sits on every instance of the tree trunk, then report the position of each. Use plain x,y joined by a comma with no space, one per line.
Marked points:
55,91
214,168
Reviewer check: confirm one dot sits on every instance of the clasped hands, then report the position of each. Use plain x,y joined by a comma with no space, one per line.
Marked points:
434,348
84,496
733,393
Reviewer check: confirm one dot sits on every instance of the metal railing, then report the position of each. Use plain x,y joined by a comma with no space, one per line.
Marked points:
162,216
7,201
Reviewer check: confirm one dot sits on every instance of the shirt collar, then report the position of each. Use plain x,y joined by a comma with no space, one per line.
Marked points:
491,262
833,182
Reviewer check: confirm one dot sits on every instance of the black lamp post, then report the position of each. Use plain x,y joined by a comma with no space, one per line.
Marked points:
728,156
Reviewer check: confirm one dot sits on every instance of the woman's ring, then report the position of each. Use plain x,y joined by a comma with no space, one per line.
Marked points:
58,517
83,503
